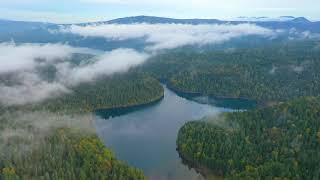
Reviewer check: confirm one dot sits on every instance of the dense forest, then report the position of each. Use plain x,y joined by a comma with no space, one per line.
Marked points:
280,142
55,139
62,154
51,140
277,72
121,90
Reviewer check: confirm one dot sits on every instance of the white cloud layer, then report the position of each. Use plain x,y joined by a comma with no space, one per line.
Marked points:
44,124
15,58
167,36
22,81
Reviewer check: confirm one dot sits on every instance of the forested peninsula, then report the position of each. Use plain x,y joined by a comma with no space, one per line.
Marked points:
268,74
275,142
56,139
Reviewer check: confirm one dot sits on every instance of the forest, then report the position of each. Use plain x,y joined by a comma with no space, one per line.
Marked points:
279,142
55,139
120,90
65,154
268,73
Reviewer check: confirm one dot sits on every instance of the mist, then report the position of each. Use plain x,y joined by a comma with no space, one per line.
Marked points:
24,132
295,34
168,36
21,70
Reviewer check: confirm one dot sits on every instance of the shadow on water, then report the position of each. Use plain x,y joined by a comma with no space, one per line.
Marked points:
115,112
145,136
231,103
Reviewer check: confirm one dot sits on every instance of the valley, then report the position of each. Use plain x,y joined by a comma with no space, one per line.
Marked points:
160,98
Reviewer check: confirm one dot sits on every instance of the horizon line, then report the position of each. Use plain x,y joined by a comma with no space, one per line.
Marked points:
195,18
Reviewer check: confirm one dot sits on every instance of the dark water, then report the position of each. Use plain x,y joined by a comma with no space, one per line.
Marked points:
230,103
146,137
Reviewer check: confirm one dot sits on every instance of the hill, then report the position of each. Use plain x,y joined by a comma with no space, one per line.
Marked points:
276,142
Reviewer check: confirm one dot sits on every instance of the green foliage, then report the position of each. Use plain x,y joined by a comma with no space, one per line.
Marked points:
273,73
117,91
66,154
120,90
70,153
276,142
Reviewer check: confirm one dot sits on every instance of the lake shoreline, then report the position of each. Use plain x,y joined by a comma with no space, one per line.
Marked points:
154,128
189,95
130,108
203,171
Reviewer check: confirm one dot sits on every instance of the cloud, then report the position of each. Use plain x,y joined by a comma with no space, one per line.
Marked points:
23,57
119,60
30,89
21,132
31,73
167,36
295,34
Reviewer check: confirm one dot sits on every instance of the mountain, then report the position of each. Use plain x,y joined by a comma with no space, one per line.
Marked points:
253,19
8,26
283,22
160,20
38,32
300,20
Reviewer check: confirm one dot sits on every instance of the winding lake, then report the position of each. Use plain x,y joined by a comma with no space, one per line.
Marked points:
146,137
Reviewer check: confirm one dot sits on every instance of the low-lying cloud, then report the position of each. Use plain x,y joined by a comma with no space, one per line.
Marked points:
22,81
119,60
23,57
295,34
167,36
21,132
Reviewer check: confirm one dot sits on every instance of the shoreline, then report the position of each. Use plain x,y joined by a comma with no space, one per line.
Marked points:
201,170
119,110
190,95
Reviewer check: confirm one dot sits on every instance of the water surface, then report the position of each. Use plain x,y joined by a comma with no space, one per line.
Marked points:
146,137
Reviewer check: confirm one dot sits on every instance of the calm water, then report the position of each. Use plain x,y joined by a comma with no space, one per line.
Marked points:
146,137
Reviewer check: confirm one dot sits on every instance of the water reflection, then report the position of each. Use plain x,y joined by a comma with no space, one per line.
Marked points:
146,138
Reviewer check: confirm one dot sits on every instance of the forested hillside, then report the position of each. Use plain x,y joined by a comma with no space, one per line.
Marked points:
47,130
66,154
51,140
276,72
276,142
122,90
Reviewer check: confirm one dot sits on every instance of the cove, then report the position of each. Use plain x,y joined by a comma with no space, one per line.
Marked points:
145,137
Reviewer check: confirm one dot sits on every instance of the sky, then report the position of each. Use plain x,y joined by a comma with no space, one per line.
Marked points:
75,11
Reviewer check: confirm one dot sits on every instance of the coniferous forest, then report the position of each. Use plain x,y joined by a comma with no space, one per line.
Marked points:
65,154
69,92
279,142
55,139
277,72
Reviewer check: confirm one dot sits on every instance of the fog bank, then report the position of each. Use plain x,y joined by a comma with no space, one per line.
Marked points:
31,73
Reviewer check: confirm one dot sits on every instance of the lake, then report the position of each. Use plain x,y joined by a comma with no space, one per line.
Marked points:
146,137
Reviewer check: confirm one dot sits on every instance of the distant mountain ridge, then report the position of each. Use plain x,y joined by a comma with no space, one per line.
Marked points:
154,20
159,20
16,26
284,22
162,20
196,21
37,32
298,23
279,19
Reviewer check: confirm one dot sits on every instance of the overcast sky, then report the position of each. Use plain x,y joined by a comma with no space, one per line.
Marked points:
69,11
